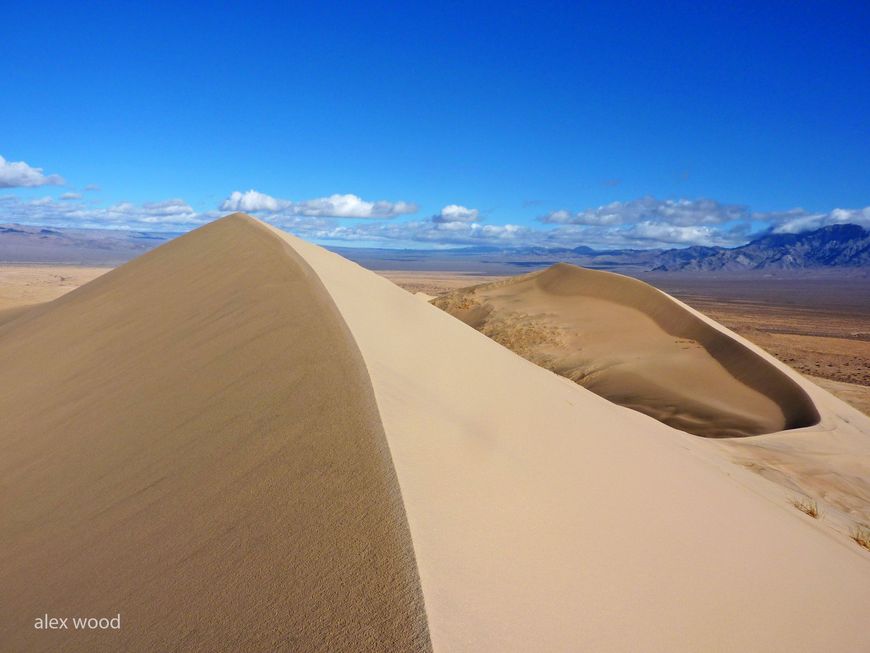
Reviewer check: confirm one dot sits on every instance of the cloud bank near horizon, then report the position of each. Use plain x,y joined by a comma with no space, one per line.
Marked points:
660,223
645,222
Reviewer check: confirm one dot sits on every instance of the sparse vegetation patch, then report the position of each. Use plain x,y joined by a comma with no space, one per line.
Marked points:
861,535
806,506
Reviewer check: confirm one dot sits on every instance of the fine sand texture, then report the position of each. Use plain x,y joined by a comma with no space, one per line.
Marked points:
192,441
547,518
243,442
635,346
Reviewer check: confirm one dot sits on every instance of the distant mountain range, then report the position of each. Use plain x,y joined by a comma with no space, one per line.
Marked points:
840,245
28,244
835,246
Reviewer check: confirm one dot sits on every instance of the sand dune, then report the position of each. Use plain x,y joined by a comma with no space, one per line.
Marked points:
192,440
634,345
241,441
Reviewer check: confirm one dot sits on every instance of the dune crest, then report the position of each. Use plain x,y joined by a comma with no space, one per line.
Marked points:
192,440
634,345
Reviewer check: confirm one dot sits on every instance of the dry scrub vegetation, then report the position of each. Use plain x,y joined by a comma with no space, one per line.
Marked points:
861,535
806,506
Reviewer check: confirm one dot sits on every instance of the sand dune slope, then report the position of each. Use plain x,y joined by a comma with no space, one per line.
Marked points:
230,440
634,345
645,350
547,518
192,441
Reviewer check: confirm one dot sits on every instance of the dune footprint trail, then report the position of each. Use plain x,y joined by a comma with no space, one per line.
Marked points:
636,346
243,442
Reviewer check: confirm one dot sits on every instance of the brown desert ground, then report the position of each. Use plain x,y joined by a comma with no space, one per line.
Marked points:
243,442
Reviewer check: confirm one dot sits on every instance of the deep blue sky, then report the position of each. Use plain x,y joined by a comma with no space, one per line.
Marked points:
513,110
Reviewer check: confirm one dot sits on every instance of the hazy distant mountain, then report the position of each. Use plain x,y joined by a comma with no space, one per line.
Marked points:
841,245
27,244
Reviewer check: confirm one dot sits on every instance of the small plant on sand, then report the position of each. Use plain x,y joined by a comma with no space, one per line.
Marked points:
806,506
861,535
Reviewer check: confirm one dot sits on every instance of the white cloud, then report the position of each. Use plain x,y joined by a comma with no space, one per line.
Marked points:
682,212
71,196
674,234
798,220
334,206
168,215
249,201
454,225
456,213
17,174
650,222
424,231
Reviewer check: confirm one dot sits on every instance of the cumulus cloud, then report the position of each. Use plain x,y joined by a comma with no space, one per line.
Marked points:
70,196
167,215
17,174
649,222
456,213
668,233
428,232
334,206
644,223
798,220
249,201
681,212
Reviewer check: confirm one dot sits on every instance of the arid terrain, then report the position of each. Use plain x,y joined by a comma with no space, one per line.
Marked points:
243,441
820,327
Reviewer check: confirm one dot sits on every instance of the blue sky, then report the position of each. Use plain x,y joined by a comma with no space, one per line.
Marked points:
439,124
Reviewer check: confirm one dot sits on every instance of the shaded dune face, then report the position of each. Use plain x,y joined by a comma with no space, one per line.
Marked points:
635,346
192,441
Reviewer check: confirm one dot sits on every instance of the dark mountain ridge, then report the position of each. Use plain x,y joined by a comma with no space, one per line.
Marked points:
839,245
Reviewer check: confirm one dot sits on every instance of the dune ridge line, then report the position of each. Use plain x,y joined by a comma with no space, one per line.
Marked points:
192,440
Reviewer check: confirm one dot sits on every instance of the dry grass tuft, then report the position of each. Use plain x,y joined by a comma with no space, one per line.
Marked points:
806,506
861,535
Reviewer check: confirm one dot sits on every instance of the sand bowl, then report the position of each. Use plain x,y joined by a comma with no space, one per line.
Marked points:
636,346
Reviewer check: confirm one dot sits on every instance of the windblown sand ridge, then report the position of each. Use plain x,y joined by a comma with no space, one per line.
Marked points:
210,445
192,440
634,345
